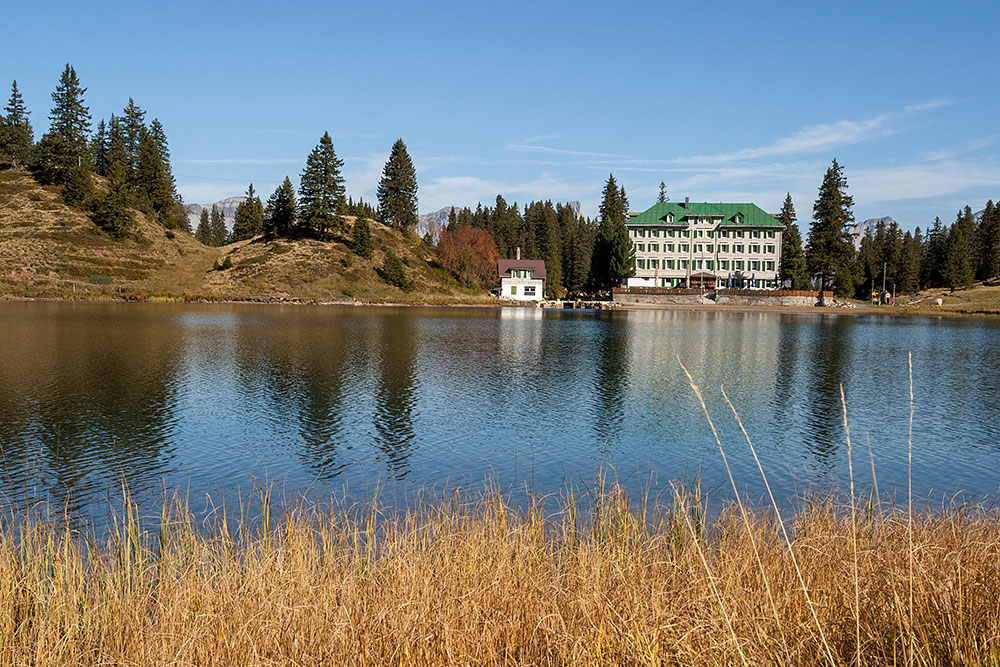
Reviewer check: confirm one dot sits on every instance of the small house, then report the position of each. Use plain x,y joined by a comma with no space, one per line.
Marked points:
522,279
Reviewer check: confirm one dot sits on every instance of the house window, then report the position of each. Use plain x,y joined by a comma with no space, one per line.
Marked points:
513,290
529,290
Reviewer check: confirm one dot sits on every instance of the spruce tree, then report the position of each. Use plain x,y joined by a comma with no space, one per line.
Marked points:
932,264
218,227
957,267
78,190
133,128
16,135
394,273
793,261
663,193
989,239
830,251
203,234
909,271
155,184
321,191
279,216
114,214
65,145
452,220
613,258
99,149
249,218
362,242
397,191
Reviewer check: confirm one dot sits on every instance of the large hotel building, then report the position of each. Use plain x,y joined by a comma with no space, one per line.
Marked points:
694,244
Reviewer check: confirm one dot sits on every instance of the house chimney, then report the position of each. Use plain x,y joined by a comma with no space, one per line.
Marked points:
687,202
518,258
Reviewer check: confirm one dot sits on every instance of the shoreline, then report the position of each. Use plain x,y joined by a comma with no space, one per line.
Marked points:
895,311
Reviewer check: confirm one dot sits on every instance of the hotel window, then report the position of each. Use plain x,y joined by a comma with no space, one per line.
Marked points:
668,247
711,233
740,233
724,234
710,264
770,266
724,264
738,265
684,263
698,247
755,249
684,247
654,263
756,233
769,249
738,248
640,264
724,248
755,265
529,290
656,233
641,247
668,263
770,235
710,248
654,247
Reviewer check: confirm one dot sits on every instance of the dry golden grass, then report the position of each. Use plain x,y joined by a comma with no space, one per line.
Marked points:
48,249
477,582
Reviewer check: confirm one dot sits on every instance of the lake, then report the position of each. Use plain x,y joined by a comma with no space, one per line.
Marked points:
210,399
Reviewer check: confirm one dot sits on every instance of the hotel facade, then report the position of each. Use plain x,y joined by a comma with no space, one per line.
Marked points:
698,244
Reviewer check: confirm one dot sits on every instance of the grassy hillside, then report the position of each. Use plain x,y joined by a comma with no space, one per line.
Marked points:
982,298
48,249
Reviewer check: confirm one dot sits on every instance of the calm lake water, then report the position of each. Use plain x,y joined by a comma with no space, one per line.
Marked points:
319,400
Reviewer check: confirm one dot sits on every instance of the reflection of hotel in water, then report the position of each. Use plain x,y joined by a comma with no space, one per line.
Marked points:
701,244
520,343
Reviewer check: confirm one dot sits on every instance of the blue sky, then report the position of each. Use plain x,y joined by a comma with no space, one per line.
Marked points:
726,101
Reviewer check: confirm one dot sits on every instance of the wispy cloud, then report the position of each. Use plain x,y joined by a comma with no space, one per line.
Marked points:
928,105
241,160
540,138
535,148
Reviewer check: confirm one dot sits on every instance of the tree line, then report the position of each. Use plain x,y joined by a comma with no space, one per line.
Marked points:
132,157
886,257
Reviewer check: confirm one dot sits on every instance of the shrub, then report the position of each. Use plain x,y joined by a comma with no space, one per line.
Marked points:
394,273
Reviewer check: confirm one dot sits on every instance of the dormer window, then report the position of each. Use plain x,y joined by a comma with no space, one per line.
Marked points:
670,218
739,219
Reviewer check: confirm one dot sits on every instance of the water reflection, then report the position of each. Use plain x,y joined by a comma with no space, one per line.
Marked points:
396,394
830,356
612,371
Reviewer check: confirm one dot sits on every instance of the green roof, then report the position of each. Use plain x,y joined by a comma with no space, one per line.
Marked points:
750,215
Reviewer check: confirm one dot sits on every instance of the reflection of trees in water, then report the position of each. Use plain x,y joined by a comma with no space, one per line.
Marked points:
87,399
786,368
301,368
611,375
830,358
396,394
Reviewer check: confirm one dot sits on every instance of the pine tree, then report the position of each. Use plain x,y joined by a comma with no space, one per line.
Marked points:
279,216
909,272
452,220
99,149
830,251
155,184
249,218
932,264
133,128
663,193
65,145
362,242
397,191
78,190
16,136
321,191
613,258
114,214
793,261
543,223
203,234
957,267
218,228
989,238
394,273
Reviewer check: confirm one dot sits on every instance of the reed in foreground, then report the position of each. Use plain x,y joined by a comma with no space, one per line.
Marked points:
475,581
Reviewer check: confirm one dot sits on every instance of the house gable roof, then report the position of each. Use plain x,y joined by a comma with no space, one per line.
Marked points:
504,267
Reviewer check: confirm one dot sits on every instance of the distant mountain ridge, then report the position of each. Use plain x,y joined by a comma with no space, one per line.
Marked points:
227,206
435,222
